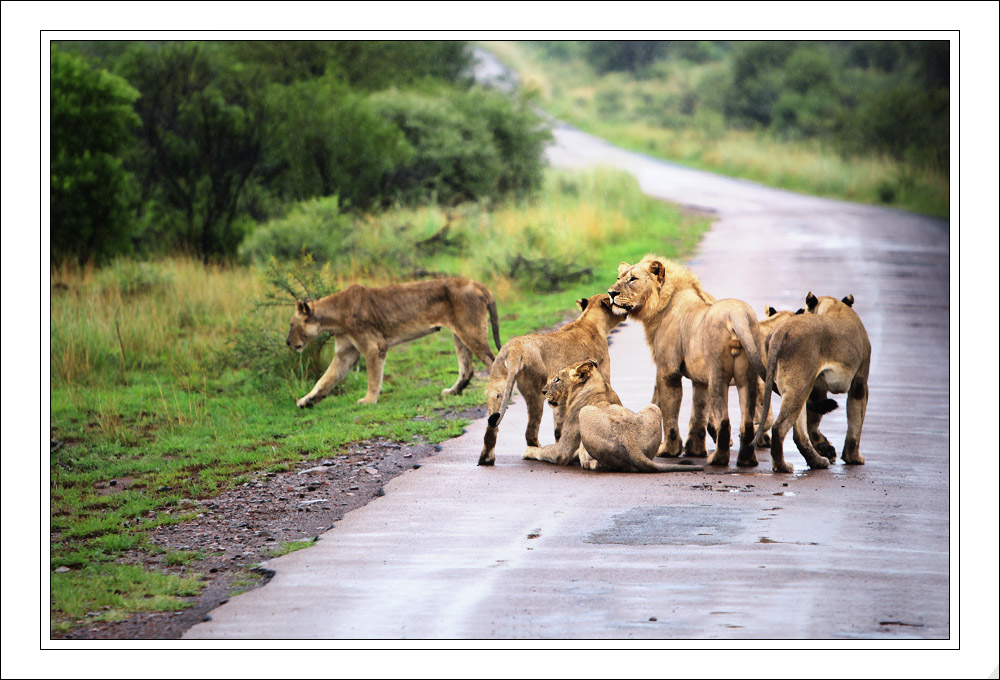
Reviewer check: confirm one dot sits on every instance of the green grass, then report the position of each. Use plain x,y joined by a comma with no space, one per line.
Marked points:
291,546
647,116
155,409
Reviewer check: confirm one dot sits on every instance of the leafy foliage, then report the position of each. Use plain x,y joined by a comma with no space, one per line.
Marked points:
91,123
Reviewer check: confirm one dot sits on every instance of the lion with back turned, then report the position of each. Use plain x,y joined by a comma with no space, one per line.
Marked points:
692,335
809,355
367,321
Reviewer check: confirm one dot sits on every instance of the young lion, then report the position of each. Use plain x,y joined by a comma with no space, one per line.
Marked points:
598,430
369,321
692,335
528,361
808,355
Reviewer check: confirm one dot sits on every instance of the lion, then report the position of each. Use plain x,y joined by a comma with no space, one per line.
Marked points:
809,355
368,321
529,360
691,334
816,407
597,430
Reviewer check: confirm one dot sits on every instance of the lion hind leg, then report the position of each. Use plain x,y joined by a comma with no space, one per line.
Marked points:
747,388
718,395
857,404
695,445
800,435
465,369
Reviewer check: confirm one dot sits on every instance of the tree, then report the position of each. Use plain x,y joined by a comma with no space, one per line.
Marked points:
91,119
200,143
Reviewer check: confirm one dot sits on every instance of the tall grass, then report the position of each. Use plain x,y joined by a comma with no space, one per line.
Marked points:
149,387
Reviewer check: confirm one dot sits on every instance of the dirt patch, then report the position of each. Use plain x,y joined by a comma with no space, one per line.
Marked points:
232,533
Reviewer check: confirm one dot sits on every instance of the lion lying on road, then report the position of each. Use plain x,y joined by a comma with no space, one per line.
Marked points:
529,360
691,334
368,321
808,355
597,430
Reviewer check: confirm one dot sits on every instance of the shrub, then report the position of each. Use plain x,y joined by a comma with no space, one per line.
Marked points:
316,226
90,126
468,146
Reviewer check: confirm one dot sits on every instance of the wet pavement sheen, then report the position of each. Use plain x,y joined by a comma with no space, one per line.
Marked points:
527,550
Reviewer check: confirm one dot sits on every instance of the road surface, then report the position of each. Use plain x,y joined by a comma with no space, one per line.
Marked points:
527,550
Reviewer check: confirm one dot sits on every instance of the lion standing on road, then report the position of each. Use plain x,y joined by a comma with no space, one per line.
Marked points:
529,360
808,355
692,335
368,321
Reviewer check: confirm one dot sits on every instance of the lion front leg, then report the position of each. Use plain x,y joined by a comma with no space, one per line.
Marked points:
343,361
564,452
670,392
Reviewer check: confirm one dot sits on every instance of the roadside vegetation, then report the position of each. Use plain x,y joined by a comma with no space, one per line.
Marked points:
170,379
199,188
864,121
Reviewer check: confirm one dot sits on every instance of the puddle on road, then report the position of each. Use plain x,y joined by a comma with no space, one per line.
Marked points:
673,525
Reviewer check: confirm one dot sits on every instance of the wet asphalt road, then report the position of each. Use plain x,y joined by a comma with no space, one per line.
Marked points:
528,550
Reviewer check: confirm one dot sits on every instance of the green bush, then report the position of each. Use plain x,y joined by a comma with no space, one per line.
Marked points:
325,139
468,146
316,226
91,121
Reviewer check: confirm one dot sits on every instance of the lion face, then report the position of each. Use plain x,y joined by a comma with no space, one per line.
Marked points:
637,286
303,328
563,383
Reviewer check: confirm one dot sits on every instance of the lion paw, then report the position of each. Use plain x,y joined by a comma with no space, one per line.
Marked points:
782,467
826,450
368,400
304,402
820,463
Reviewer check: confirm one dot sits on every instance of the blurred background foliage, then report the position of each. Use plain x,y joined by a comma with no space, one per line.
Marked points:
199,147
165,147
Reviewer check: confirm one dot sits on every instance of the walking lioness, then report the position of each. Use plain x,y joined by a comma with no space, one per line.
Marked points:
368,321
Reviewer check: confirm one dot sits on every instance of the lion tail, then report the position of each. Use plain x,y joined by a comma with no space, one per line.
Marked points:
643,464
740,325
491,305
773,350
513,361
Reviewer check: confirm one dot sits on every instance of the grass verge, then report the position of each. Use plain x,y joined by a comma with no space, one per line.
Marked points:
152,404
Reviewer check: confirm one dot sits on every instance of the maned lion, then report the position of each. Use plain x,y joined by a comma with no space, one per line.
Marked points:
809,355
529,360
368,321
597,430
693,335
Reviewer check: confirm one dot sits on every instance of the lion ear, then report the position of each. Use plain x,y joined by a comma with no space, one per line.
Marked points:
658,269
584,370
770,311
303,308
849,300
623,267
811,300
606,301
800,311
582,303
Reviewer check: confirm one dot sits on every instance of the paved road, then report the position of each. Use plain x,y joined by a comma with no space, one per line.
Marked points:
529,550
